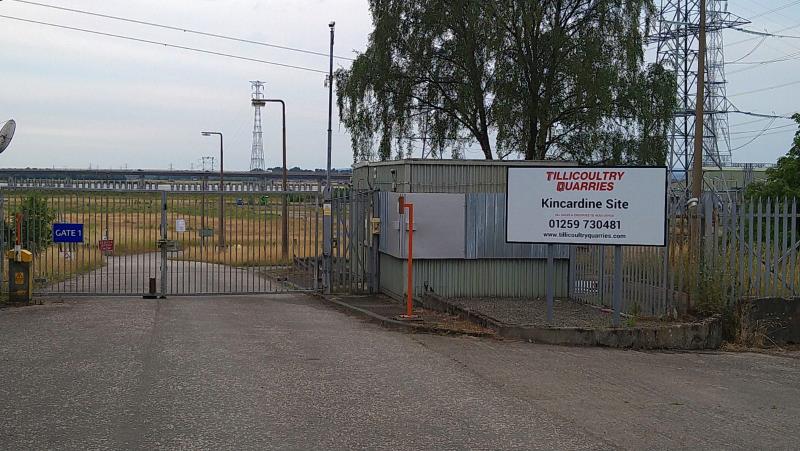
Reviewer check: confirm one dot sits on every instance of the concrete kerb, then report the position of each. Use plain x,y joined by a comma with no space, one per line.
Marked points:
706,334
393,324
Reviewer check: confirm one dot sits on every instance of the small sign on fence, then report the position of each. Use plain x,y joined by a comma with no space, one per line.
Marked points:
205,233
180,225
586,205
67,233
106,246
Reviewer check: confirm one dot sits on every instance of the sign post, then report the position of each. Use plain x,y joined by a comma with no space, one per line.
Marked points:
617,296
590,205
550,285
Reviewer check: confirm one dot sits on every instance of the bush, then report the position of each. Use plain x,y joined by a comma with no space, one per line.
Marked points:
36,225
712,298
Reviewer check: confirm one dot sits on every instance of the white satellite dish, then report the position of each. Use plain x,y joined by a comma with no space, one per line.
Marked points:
6,133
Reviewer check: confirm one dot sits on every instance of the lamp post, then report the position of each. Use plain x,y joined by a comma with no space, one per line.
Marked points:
285,214
327,220
221,190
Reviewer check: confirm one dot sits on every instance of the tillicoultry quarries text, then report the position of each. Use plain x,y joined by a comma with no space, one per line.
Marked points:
585,180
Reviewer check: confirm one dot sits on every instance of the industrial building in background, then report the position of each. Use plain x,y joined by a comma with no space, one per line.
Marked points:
258,102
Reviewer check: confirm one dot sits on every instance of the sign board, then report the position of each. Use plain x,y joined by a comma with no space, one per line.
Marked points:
205,233
180,225
67,233
106,245
586,205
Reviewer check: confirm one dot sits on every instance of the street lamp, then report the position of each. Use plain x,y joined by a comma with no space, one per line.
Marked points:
221,191
327,223
285,222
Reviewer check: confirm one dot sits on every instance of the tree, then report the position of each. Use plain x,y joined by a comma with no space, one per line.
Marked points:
36,225
546,79
783,180
427,68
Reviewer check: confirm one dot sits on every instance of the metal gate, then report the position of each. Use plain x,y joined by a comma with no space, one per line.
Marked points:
354,259
194,242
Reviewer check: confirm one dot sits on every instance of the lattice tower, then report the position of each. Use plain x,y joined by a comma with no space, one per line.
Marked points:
257,151
677,49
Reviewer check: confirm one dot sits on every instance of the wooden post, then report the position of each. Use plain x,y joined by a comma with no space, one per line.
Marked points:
697,161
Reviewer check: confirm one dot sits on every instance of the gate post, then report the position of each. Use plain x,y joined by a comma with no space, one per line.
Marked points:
327,247
374,211
2,240
163,244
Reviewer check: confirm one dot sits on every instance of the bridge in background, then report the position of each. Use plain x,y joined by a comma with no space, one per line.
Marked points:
163,180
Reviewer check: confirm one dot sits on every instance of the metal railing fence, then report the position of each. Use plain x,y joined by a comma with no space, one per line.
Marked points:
730,249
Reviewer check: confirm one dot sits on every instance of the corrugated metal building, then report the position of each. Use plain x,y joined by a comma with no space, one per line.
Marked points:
459,232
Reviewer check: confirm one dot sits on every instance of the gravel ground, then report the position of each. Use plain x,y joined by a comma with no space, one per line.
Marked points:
533,312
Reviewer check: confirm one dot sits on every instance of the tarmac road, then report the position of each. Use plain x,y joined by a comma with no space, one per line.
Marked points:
287,371
129,275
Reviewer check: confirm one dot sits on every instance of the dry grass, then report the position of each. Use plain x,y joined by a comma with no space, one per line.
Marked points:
59,264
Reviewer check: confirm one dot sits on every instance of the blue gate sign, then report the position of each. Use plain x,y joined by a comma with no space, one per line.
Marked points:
67,233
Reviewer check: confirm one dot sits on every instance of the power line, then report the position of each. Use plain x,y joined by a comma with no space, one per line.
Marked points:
756,47
789,57
735,110
185,30
754,138
765,34
756,64
791,27
746,132
147,41
792,3
773,133
768,88
740,124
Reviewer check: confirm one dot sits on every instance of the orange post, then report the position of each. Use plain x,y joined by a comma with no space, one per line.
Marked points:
410,270
19,229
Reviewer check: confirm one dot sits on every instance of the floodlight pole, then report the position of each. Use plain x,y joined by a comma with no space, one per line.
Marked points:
221,190
285,214
332,26
327,220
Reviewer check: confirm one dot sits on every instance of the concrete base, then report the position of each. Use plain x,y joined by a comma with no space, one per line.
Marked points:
768,321
703,335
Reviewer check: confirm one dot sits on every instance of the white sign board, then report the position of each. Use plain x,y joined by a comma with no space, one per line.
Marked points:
587,205
180,225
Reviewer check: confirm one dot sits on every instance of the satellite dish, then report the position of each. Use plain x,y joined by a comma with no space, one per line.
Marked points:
6,133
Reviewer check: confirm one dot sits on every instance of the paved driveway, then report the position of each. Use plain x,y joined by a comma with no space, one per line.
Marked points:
286,371
130,274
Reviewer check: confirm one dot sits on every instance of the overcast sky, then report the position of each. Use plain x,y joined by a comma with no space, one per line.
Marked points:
82,100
